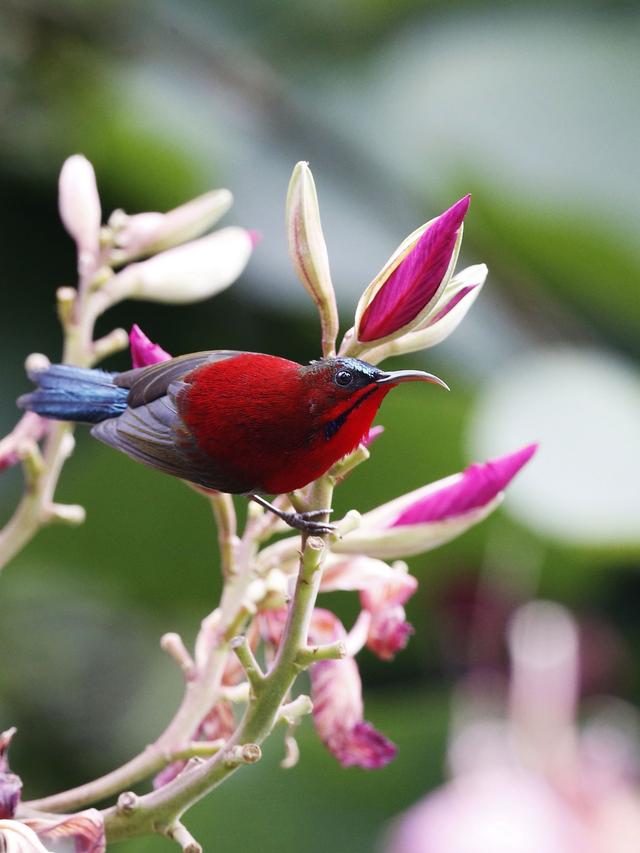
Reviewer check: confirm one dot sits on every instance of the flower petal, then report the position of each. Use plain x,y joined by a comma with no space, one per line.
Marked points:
336,690
389,632
428,517
416,280
15,837
476,487
143,350
84,829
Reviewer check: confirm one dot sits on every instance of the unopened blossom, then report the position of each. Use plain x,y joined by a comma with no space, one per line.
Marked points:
143,350
308,250
10,784
412,281
441,320
77,833
187,273
338,709
149,233
432,515
79,205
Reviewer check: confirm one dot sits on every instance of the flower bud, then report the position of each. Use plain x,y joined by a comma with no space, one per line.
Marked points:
143,350
441,320
308,251
188,273
79,205
149,233
412,280
432,515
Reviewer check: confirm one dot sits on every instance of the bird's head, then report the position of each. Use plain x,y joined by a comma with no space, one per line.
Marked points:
344,394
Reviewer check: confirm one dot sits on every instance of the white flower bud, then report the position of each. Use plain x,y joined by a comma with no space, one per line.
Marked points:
149,233
188,273
79,205
308,251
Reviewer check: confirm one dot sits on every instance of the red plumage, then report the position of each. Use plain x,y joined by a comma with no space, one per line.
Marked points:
264,419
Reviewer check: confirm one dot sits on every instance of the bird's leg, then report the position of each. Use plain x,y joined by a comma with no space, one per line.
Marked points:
299,520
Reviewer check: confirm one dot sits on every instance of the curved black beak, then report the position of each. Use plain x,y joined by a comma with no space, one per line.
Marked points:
397,376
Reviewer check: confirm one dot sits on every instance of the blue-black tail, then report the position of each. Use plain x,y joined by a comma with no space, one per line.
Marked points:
68,393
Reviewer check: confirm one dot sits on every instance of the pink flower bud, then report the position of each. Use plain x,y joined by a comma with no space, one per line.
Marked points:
413,279
30,427
79,205
428,517
143,350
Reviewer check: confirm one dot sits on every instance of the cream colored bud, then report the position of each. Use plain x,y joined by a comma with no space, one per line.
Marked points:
79,205
188,273
150,233
308,251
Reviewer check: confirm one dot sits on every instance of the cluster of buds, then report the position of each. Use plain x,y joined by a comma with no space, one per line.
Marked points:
526,777
180,265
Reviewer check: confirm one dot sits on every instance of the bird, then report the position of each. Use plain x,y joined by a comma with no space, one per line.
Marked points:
231,421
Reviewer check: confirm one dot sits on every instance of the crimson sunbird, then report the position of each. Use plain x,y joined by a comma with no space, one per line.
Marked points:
237,422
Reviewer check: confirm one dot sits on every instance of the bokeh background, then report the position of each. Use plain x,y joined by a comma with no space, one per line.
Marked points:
400,107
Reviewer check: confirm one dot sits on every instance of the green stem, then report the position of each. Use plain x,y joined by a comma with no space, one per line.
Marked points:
160,809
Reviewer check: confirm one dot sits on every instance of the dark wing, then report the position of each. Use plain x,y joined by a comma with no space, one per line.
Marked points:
151,430
149,383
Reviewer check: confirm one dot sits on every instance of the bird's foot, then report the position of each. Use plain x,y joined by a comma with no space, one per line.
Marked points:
304,522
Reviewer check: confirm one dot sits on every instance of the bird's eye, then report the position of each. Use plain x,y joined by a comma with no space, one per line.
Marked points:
344,378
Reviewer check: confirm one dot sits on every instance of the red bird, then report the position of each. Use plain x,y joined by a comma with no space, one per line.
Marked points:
237,422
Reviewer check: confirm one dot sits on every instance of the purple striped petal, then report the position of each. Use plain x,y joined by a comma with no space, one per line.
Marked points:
476,487
460,295
143,350
416,279
85,830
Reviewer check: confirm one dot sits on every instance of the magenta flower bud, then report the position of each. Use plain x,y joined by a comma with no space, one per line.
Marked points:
413,279
338,710
79,205
143,350
428,517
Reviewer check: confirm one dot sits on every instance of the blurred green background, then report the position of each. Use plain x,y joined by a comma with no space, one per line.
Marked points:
400,108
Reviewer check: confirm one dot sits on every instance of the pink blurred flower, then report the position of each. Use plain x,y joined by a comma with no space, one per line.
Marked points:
413,279
529,780
143,350
389,632
432,515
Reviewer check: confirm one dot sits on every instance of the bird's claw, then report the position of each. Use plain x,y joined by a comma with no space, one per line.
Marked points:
303,521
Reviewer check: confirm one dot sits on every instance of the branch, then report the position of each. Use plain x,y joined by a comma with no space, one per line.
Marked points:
166,805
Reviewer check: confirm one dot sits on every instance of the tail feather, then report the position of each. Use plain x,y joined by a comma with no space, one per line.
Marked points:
68,393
